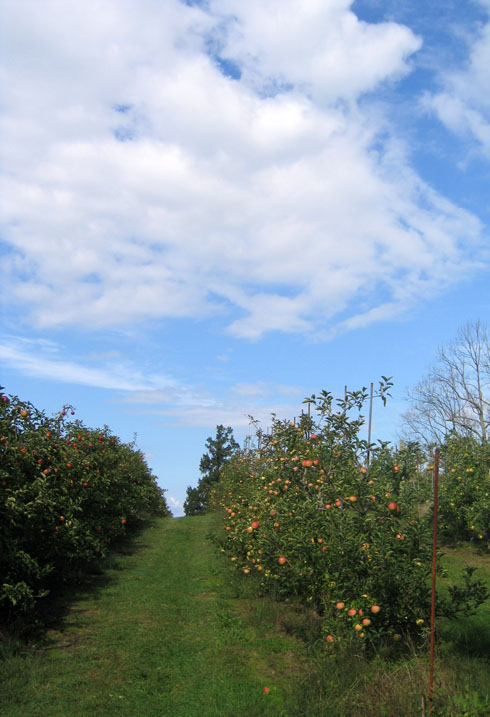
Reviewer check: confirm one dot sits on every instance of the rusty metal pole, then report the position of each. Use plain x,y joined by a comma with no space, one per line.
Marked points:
434,561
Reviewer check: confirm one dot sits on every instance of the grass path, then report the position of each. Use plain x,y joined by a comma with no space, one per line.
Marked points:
163,633
162,637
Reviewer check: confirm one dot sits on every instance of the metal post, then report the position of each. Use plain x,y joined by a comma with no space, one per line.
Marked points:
434,560
370,424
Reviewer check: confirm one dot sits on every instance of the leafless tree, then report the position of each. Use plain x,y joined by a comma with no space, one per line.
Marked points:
455,394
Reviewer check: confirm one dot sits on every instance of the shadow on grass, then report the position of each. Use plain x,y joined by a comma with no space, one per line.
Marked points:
52,612
469,637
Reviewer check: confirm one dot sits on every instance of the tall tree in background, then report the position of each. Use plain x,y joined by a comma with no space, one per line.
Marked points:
220,450
454,397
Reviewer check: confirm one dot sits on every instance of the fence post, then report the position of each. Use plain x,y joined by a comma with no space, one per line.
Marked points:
370,424
434,560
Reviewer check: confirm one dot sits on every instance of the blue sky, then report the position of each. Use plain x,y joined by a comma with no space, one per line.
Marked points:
211,210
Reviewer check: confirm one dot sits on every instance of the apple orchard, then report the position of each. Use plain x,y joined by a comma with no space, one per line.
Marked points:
310,518
67,494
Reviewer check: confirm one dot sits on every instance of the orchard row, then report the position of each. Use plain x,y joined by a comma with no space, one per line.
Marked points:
315,520
67,492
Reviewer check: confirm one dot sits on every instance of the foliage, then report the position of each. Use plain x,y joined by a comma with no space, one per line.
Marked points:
313,522
67,492
220,450
193,504
464,490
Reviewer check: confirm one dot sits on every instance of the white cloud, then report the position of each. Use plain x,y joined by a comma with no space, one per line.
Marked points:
260,390
270,207
251,389
150,394
464,102
318,46
228,413
44,359
195,407
174,503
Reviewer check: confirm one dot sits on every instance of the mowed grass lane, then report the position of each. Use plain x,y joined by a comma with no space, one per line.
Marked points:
165,632
160,637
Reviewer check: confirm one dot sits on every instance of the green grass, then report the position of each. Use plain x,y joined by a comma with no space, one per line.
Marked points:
167,631
160,636
468,636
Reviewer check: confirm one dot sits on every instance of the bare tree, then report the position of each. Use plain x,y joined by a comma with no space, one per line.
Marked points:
455,394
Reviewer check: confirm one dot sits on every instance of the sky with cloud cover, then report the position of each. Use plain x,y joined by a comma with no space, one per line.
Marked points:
212,209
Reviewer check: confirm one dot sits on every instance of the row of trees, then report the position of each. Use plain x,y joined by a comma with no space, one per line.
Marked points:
68,493
309,520
451,401
450,408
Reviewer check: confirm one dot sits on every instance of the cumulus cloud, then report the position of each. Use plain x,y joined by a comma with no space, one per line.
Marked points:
320,47
144,180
